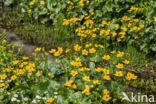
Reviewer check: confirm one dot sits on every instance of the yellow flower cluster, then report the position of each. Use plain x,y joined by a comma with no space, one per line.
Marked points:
130,76
71,21
77,62
58,52
86,90
70,4
83,69
133,9
106,96
68,83
82,2
86,78
105,23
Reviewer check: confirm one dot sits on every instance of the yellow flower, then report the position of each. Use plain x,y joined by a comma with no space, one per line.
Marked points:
52,51
125,18
124,28
39,73
37,49
136,20
31,3
113,52
114,34
106,97
136,37
92,50
129,25
17,83
84,52
117,26
68,83
96,82
86,78
106,71
3,76
6,86
4,41
25,58
74,86
13,77
49,74
107,77
126,62
29,11
118,39
74,73
106,57
67,50
103,23
98,69
118,74
120,66
77,47
42,2
15,62
120,54
130,76
1,85
88,45
86,90
50,100
105,91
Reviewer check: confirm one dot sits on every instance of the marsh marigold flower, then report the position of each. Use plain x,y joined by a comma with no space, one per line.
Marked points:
107,77
77,47
96,82
39,73
130,76
92,50
86,90
84,52
126,62
120,54
13,77
106,97
29,11
3,76
68,83
118,73
120,66
74,86
86,78
106,57
50,100
74,73
105,91
37,49
42,2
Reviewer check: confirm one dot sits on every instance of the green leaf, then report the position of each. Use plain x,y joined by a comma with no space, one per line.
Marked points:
8,2
98,13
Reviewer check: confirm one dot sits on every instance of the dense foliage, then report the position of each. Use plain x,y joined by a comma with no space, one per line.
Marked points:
131,15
